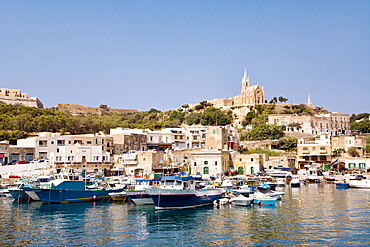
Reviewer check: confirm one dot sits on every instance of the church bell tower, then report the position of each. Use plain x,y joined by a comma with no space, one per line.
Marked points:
245,81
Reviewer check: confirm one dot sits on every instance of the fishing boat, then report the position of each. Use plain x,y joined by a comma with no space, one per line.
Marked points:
280,182
241,200
263,191
221,201
4,192
137,193
295,182
264,200
18,192
66,191
118,196
177,192
362,184
341,184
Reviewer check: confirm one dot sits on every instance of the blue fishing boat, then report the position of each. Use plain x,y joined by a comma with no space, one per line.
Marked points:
66,191
177,192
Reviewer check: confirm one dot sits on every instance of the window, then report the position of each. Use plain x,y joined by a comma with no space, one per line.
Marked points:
215,163
240,170
195,163
96,158
313,148
206,162
305,148
205,170
351,165
322,148
323,158
362,165
251,159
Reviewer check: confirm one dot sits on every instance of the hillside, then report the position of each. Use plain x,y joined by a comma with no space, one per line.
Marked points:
75,109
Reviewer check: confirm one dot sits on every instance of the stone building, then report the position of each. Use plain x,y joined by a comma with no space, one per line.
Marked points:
16,97
333,123
4,152
248,164
126,140
314,151
341,145
46,143
92,159
141,163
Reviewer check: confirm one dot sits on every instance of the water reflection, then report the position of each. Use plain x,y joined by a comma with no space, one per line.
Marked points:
314,214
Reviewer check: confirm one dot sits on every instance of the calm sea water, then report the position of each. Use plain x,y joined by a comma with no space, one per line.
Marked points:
313,215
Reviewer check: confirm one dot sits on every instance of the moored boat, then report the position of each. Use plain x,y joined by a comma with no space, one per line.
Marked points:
241,200
118,196
264,200
177,192
295,182
341,184
362,184
138,195
72,191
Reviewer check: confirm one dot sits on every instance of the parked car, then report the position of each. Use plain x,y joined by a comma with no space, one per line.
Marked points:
12,162
20,162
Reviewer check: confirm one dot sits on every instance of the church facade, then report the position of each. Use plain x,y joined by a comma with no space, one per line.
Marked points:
250,95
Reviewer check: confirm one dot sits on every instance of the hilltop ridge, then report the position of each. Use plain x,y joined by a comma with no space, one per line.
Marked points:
76,109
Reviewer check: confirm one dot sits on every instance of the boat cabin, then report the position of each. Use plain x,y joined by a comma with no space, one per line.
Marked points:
180,183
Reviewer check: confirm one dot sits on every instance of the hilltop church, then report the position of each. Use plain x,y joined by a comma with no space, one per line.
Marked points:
250,95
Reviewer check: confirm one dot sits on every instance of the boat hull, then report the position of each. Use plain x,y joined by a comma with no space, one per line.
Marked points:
241,201
118,196
265,201
177,199
139,197
361,184
68,196
342,185
19,194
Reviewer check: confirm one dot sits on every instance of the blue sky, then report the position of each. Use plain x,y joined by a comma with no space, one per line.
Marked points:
163,54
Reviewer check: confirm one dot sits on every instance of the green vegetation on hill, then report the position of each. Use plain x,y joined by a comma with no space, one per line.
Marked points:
16,121
262,132
360,122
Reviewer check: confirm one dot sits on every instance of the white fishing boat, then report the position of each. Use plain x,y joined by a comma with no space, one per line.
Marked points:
295,182
241,200
362,184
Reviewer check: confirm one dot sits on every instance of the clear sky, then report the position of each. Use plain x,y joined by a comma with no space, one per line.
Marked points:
163,54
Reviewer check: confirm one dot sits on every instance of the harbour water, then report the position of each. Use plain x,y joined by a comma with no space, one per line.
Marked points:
312,215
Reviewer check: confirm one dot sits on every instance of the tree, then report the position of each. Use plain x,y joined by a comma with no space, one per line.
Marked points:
287,143
353,152
282,99
152,110
265,131
103,106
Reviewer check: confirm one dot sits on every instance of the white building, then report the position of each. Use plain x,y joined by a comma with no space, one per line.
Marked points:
92,159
